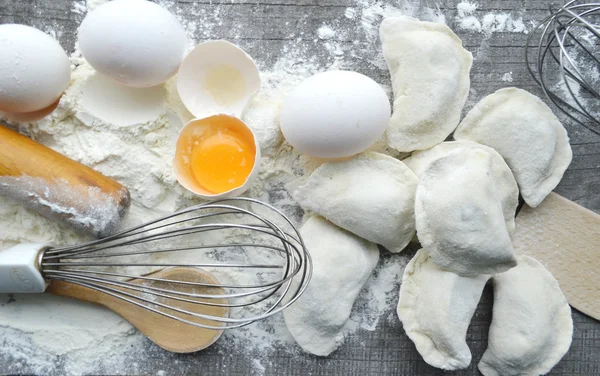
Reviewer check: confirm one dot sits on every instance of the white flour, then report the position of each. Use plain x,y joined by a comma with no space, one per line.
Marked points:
44,333
488,23
325,32
507,77
350,13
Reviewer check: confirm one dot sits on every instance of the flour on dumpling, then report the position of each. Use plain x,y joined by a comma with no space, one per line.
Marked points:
371,195
460,218
436,307
342,264
531,328
501,173
520,127
430,78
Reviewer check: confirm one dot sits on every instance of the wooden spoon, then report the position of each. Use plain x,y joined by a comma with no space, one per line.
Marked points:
171,335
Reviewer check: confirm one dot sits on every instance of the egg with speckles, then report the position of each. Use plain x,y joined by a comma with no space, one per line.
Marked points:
34,69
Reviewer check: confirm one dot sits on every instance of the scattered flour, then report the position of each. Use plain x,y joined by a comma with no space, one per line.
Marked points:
466,20
488,23
466,9
587,70
325,32
350,13
84,6
502,22
79,7
370,13
258,368
507,77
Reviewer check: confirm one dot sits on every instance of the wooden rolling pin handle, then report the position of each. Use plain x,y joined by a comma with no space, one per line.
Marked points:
58,187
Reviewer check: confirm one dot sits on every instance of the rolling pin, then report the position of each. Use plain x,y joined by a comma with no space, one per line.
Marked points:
58,187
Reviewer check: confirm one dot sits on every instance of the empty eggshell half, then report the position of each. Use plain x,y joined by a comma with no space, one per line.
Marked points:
216,157
217,77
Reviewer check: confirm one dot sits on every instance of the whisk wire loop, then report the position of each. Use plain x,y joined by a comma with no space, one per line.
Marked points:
111,265
563,64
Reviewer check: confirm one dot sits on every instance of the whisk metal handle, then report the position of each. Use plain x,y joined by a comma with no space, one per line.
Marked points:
19,269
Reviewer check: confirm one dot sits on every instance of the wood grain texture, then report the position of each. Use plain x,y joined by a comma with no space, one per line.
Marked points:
565,238
264,28
169,334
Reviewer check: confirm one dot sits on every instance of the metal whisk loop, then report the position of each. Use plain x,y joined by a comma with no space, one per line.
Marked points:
197,235
564,60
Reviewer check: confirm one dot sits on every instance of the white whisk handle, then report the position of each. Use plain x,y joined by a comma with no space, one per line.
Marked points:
19,271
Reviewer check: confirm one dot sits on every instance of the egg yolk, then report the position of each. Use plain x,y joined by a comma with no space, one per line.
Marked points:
222,161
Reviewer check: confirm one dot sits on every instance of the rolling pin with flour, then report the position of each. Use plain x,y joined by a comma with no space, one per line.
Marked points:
58,187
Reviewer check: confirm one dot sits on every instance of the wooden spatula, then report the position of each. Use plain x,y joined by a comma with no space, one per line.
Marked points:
565,237
167,333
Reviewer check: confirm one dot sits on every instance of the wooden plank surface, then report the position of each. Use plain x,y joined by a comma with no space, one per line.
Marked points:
263,28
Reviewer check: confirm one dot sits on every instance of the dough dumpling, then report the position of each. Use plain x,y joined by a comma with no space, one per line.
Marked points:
371,195
520,127
531,328
430,78
505,181
436,307
460,217
342,264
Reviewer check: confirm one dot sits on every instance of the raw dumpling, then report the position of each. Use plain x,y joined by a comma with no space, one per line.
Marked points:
342,264
505,181
436,307
531,326
460,217
430,79
371,195
528,136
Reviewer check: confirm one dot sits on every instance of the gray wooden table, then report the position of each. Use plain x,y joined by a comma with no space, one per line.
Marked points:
262,28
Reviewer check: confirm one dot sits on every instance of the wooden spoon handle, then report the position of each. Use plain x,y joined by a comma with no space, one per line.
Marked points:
71,290
58,187
167,333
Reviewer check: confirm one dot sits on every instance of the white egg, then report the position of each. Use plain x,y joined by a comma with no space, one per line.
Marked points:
335,114
135,42
34,69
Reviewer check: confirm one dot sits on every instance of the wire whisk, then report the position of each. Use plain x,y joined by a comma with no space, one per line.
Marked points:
565,63
224,237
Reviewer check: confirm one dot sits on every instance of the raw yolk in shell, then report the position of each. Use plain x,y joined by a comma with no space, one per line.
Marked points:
223,161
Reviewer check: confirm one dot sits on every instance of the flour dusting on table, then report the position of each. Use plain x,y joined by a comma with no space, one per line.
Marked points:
491,22
45,334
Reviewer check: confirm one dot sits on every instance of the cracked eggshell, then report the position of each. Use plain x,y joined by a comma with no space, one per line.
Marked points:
182,162
217,77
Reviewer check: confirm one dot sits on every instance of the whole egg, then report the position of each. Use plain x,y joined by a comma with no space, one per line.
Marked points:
135,42
34,69
335,114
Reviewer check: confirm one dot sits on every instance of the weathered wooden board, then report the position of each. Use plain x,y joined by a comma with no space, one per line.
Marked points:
263,27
